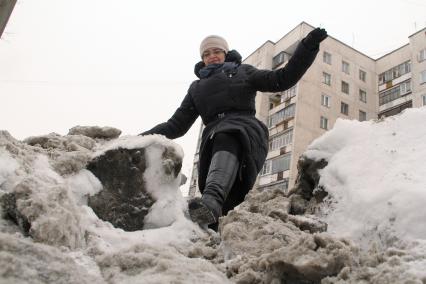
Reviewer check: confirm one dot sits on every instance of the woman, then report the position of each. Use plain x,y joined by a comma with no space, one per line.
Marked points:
234,143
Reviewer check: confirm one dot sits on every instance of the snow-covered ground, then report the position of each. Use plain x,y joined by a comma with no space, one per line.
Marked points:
375,178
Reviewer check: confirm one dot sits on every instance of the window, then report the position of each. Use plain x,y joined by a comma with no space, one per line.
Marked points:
362,115
424,100
289,93
422,55
423,77
194,176
279,59
395,93
385,77
345,87
345,67
395,72
325,100
324,122
326,57
266,170
396,110
326,78
283,185
344,108
362,75
280,141
279,164
405,87
362,96
281,115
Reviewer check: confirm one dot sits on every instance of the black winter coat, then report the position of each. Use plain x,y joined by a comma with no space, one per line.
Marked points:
233,94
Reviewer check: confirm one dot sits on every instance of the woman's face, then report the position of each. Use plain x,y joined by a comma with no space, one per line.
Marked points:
213,55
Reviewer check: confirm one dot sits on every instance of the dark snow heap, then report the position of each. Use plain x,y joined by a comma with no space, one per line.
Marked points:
124,200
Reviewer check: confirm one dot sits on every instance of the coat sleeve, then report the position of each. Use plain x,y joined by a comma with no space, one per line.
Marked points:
286,77
179,123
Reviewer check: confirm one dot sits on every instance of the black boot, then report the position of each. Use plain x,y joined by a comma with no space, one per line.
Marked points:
222,173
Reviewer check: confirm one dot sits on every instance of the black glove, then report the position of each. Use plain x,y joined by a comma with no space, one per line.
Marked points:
313,39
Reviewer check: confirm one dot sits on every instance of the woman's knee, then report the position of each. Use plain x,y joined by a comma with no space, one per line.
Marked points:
227,142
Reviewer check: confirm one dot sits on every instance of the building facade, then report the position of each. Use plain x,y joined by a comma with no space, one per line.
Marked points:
341,83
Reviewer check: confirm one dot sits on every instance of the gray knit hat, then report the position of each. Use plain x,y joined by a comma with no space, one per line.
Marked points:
213,41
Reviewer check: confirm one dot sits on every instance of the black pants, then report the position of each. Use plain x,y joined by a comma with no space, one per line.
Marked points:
226,142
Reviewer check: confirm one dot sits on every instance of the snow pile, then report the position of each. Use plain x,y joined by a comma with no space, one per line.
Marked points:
376,181
66,242
263,243
369,228
376,176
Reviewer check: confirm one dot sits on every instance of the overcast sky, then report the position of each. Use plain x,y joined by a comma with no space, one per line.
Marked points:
128,63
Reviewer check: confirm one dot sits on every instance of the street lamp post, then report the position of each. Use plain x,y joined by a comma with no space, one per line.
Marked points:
6,7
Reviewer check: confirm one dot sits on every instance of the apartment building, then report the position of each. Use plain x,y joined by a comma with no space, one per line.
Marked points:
402,77
341,83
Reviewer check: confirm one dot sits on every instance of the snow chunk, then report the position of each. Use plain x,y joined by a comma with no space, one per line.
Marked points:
95,132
